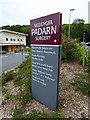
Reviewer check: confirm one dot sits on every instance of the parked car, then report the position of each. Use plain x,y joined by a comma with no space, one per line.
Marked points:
88,44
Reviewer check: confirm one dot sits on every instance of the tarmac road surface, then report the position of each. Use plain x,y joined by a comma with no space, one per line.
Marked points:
9,61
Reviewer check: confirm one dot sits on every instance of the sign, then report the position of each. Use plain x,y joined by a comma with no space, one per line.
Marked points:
45,33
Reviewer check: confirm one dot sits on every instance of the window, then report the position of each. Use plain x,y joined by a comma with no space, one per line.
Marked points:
11,39
14,39
17,39
21,39
16,46
6,39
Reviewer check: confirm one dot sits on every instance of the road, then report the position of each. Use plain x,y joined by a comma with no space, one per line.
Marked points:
9,61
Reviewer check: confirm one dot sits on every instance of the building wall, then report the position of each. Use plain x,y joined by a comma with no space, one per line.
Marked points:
12,48
15,48
11,41
10,38
1,37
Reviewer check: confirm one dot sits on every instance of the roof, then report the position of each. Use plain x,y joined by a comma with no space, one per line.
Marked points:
6,44
8,31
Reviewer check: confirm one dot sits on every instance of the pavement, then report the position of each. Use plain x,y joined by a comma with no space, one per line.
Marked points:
8,61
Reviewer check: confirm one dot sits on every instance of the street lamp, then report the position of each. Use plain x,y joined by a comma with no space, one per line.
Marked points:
69,22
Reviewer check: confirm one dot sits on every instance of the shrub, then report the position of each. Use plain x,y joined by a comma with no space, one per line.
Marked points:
80,54
69,49
7,76
26,49
18,81
3,52
23,64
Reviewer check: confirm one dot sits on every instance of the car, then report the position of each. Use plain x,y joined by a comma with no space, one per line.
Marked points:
88,43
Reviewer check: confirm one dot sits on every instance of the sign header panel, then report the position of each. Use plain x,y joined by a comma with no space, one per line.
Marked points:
46,30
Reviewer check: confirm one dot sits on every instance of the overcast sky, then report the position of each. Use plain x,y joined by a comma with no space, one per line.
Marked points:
13,12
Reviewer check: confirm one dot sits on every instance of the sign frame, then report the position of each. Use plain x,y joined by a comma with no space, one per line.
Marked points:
46,31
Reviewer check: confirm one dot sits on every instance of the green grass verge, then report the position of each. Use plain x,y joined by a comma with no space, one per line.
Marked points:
35,115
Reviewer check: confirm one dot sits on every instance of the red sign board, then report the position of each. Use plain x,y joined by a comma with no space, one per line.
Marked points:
45,33
46,30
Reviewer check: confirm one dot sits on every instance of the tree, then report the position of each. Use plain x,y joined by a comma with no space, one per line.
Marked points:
78,21
78,28
65,29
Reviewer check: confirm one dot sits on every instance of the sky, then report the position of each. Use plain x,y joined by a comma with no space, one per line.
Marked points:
14,12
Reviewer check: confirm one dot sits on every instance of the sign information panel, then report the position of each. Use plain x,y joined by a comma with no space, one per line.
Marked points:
45,58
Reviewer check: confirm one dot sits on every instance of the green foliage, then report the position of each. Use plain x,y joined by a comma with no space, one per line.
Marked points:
65,29
16,111
3,52
7,96
77,28
18,81
82,83
80,54
61,103
83,86
79,21
23,64
69,49
23,77
35,115
27,49
4,90
7,76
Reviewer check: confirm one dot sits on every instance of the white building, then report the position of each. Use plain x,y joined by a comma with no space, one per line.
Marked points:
11,40
89,12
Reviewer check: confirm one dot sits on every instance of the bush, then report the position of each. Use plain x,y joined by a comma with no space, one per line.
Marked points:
80,54
3,52
69,49
7,76
23,64
26,49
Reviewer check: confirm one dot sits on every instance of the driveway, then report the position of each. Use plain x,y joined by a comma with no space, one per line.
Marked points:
9,61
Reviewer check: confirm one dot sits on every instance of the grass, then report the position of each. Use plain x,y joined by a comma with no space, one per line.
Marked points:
7,96
81,83
61,103
35,115
4,90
